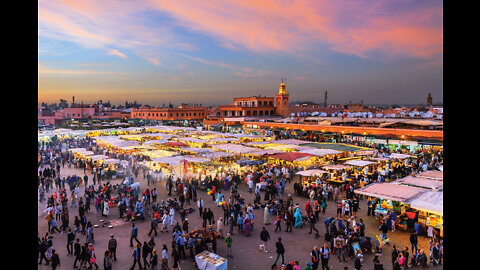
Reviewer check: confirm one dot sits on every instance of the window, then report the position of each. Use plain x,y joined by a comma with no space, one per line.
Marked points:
261,112
254,113
249,113
270,103
194,114
266,112
171,114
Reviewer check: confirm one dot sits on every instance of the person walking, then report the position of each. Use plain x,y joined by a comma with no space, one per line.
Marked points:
77,252
264,236
220,227
414,241
280,251
133,235
200,204
325,255
93,256
153,226
136,257
145,252
164,257
70,240
278,222
313,220
315,257
55,260
112,247
107,260
176,259
43,249
154,260
228,242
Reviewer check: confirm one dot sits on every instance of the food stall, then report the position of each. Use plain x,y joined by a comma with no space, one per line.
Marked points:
363,164
335,173
295,159
393,192
430,206
307,179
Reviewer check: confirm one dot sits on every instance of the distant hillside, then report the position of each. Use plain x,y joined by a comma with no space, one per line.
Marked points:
303,102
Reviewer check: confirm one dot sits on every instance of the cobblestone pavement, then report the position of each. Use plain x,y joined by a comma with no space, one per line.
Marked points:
246,253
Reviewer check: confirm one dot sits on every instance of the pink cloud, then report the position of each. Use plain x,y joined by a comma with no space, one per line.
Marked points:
264,26
345,26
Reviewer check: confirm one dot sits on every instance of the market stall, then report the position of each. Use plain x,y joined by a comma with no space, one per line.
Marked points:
420,182
436,175
296,159
361,166
430,205
394,197
210,261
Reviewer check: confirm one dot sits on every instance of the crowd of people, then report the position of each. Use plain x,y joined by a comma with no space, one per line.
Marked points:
344,231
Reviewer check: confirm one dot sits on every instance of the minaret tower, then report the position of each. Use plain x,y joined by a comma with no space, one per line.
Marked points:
281,100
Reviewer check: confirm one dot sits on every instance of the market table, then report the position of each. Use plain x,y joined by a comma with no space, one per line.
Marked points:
210,261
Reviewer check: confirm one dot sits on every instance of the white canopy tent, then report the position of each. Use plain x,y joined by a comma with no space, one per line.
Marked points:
431,201
75,150
311,172
360,163
214,154
436,175
365,153
390,191
399,156
97,157
176,160
236,148
155,142
291,141
335,167
111,161
420,182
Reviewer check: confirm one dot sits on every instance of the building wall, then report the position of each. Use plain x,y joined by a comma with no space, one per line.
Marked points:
171,114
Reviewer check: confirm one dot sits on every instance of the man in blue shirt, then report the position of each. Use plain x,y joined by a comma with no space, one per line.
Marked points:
327,222
180,246
134,235
136,257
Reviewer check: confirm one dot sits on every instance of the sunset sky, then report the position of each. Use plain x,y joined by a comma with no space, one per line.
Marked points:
208,52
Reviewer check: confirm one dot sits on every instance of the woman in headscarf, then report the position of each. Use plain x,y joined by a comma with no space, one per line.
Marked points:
298,218
266,218
246,223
